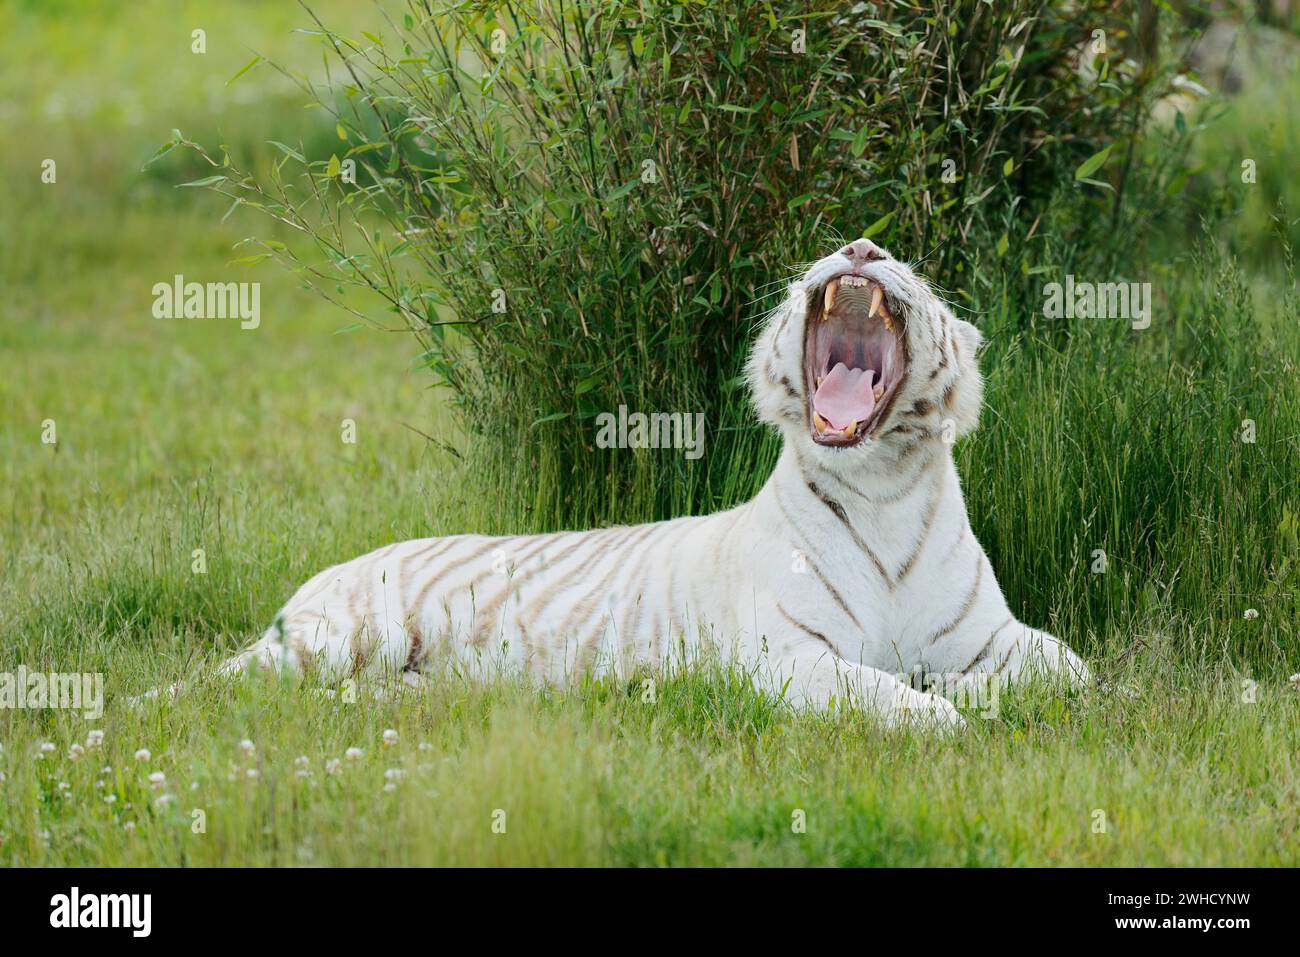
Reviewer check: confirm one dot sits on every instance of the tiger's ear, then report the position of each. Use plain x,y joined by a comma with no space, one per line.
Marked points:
968,389
971,337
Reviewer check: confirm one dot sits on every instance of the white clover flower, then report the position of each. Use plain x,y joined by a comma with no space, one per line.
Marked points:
129,826
393,774
110,798
425,746
143,755
333,765
302,761
390,786
163,800
157,780
76,752
100,784
248,747
63,786
353,753
94,738
106,769
46,747
390,737
251,774
1294,681
1251,614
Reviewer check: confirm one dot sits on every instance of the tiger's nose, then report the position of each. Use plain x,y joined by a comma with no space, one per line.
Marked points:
862,251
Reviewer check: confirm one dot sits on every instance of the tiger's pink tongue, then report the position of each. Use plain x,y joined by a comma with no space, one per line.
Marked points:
845,396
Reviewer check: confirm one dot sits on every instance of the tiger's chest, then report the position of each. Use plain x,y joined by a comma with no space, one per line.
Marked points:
880,587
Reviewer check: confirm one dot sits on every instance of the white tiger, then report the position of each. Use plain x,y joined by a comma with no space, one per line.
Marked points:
855,562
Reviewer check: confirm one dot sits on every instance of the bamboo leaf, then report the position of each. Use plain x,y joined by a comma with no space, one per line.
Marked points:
288,151
878,225
244,69
1092,163
553,417
206,181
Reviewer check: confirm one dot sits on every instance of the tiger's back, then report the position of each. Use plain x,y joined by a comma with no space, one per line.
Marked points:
550,606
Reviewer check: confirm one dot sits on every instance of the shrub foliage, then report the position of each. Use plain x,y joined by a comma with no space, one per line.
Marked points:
577,206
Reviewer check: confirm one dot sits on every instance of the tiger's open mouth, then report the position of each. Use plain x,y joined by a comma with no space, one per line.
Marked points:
855,359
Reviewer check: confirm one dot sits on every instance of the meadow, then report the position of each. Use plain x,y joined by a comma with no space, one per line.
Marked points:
165,484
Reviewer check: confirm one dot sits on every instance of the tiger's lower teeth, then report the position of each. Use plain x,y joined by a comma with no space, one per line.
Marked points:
825,428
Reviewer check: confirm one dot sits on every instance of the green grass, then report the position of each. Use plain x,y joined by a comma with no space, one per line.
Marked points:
1184,771
184,434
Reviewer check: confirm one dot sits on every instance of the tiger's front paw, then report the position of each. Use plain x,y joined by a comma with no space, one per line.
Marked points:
1059,662
1076,671
1038,655
918,709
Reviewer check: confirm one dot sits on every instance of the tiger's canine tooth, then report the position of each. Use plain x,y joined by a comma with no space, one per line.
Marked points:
822,424
877,392
877,296
832,288
849,429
